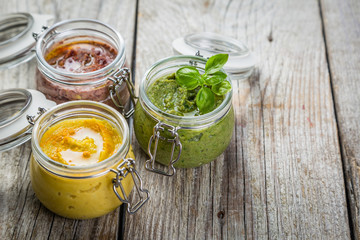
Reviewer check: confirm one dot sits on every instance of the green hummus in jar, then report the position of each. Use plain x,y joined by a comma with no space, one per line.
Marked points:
201,144
166,94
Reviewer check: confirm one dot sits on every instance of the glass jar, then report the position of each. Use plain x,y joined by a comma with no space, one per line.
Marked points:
83,192
180,141
16,41
110,84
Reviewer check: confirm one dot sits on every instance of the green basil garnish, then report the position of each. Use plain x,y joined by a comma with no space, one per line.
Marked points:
214,78
221,88
212,82
188,77
205,100
215,63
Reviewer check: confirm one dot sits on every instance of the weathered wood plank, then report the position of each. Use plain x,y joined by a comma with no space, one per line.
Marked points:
22,215
342,34
281,176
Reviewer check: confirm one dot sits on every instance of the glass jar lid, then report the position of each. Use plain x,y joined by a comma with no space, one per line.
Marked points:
19,107
241,61
16,40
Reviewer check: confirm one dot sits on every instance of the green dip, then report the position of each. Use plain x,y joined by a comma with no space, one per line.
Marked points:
200,145
166,94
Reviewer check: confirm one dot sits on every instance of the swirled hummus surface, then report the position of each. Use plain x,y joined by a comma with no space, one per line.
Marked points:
81,141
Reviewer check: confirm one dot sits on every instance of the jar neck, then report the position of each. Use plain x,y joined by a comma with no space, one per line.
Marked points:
79,29
170,65
80,109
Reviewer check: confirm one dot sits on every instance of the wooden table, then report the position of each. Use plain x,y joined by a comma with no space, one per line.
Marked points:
292,169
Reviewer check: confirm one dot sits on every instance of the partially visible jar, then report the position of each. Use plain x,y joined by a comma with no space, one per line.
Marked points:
180,141
83,192
92,65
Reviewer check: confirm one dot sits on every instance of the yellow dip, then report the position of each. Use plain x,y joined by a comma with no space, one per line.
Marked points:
79,142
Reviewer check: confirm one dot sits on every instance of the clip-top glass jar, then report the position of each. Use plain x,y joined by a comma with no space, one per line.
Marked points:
180,141
89,191
83,59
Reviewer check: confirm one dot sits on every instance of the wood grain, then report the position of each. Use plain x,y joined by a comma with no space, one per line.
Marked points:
21,214
281,176
342,34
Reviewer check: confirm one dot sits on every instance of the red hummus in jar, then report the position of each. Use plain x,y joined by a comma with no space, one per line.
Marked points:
79,57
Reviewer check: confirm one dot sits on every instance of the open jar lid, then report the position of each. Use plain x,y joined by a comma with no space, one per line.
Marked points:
16,40
19,108
241,61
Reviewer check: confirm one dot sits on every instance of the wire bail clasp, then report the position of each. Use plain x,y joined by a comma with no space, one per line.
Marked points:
37,35
198,54
32,119
150,163
118,77
126,167
194,63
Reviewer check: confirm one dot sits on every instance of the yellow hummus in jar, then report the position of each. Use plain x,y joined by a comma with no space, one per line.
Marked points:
79,142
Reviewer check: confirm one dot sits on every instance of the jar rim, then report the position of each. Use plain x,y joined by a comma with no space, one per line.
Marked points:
184,121
13,17
86,171
107,69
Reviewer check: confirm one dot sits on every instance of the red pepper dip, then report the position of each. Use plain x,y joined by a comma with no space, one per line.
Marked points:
75,57
81,56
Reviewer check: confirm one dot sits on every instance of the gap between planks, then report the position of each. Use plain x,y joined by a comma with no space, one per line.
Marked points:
122,215
348,203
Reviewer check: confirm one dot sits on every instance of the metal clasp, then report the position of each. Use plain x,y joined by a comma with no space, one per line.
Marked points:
126,167
32,119
149,165
37,35
194,63
198,54
118,77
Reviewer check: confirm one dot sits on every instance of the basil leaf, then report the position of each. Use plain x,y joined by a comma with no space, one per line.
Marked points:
205,100
214,78
221,88
202,80
188,77
215,63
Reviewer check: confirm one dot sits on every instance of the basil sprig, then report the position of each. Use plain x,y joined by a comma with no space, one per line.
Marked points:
210,83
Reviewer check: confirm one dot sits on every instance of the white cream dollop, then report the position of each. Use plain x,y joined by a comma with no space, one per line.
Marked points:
77,158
